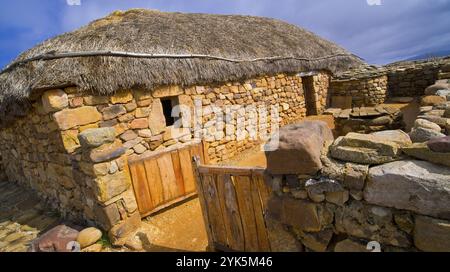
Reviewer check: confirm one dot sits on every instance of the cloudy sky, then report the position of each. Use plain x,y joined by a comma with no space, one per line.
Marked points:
394,30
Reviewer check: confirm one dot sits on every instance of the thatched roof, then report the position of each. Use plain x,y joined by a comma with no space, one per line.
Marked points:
190,49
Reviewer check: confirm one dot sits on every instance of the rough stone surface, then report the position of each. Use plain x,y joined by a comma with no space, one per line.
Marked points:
364,149
417,186
421,151
422,123
56,239
420,135
398,136
349,245
440,144
120,233
156,120
107,152
88,237
281,240
299,148
113,112
432,234
318,241
112,185
432,100
97,136
431,90
54,100
370,222
69,118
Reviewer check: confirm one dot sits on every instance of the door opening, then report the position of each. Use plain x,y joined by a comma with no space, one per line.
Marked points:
310,100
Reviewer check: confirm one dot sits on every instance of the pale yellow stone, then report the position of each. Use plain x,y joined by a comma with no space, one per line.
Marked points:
156,120
54,100
70,140
167,91
83,128
121,97
69,118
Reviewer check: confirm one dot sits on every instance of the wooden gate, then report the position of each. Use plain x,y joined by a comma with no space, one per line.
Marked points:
234,201
163,179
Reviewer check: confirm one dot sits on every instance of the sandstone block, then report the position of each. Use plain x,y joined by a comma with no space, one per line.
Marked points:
417,186
114,111
167,91
298,149
157,120
421,151
422,123
121,232
440,145
364,149
420,135
107,152
69,118
113,185
432,234
96,137
54,100
140,123
122,97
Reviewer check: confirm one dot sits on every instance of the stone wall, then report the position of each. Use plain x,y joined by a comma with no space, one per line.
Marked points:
384,201
72,148
368,91
411,78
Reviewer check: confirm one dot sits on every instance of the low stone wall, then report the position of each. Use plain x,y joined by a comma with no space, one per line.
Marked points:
411,78
368,91
366,119
367,196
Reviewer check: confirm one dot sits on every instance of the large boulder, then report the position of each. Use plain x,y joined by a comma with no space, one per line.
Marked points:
417,186
364,149
422,123
431,90
440,144
422,152
420,135
57,239
431,100
298,149
398,136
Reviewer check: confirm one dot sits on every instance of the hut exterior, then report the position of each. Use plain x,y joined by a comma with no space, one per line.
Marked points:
77,107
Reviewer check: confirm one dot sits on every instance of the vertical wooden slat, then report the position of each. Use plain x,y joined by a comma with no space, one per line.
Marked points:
140,187
187,171
204,150
213,206
196,151
168,178
154,182
263,240
230,213
178,174
202,200
244,197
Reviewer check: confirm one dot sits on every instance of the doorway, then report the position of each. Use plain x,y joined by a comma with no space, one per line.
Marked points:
310,100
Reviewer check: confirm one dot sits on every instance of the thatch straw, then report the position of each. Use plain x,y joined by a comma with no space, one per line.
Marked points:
118,52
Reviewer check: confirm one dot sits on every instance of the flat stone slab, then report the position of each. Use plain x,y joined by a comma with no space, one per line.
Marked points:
421,151
417,186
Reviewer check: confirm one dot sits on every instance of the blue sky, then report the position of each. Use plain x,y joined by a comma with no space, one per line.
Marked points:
394,30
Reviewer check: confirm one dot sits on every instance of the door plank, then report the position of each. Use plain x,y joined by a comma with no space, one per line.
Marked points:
168,178
187,171
154,182
244,197
214,213
178,174
263,240
230,213
140,187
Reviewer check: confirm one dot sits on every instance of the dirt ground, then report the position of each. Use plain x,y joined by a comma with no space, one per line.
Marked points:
180,228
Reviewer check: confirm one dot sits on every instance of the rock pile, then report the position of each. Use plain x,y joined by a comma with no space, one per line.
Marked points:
366,119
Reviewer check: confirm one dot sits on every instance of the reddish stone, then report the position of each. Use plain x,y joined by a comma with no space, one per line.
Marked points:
139,123
441,145
55,240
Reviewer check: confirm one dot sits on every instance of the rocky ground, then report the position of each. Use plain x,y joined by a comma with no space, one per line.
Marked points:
22,218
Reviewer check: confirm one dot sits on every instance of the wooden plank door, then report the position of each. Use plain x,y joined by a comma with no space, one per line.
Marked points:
164,179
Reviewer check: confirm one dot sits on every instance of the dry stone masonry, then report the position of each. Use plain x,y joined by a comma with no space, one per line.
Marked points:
73,147
369,189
